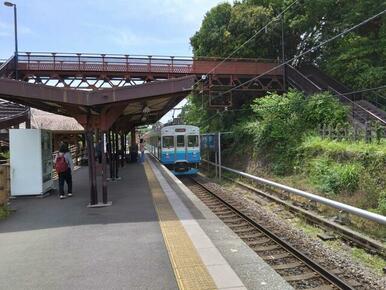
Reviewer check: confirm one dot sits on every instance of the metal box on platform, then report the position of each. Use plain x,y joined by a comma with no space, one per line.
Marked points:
30,161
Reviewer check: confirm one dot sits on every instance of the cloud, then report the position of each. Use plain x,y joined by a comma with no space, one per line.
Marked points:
6,30
181,12
127,39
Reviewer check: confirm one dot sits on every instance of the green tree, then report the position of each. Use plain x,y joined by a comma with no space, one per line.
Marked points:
358,59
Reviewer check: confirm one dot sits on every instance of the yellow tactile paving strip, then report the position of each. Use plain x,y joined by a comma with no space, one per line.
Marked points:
187,265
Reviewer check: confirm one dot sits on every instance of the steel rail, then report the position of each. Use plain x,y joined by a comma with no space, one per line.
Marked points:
308,261
369,244
332,203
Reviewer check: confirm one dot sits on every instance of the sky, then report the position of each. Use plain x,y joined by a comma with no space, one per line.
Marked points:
147,27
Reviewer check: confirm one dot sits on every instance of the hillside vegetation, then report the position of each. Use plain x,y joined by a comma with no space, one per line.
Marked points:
279,135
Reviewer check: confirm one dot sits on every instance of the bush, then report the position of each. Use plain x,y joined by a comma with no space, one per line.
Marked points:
334,178
282,121
4,155
324,109
4,211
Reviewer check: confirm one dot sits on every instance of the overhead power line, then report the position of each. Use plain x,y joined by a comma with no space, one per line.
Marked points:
284,105
250,39
309,50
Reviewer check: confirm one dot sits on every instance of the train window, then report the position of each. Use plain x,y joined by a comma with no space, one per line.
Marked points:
180,141
192,141
168,141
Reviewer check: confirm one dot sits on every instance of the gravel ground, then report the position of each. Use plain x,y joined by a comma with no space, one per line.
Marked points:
313,247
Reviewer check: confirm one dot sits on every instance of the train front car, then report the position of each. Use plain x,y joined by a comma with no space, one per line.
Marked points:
181,149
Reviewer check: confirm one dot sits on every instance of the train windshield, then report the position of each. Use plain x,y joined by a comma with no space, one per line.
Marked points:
167,141
192,141
180,141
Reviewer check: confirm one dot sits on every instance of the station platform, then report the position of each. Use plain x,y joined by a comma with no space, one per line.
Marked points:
156,235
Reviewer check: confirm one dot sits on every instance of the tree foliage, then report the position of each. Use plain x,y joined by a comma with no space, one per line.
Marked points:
358,59
279,123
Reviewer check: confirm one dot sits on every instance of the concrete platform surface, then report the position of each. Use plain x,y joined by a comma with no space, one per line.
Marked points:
61,244
227,257
137,243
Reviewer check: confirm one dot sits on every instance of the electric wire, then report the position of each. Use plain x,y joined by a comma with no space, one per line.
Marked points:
308,51
277,17
284,105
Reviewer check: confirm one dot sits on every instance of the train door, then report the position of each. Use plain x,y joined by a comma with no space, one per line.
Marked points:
180,147
158,147
193,150
168,150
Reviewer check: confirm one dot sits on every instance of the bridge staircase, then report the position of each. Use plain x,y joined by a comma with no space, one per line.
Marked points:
7,68
311,80
11,114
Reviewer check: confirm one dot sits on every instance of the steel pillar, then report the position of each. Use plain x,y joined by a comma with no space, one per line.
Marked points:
132,135
111,154
116,163
122,151
91,167
104,168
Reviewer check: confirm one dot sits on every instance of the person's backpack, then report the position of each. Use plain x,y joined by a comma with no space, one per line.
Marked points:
61,164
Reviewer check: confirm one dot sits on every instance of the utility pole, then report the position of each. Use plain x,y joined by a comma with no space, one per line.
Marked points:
283,54
9,4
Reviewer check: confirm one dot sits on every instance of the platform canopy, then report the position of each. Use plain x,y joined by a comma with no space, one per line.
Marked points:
123,107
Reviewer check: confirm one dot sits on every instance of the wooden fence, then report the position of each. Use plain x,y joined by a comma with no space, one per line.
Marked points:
370,132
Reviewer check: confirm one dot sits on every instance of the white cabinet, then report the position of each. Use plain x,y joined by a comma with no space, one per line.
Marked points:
30,161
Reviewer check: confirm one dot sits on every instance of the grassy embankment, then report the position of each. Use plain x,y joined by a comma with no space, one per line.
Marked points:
350,172
346,171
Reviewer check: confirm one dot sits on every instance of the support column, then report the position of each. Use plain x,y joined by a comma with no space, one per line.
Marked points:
116,156
122,149
28,122
104,168
91,167
111,154
133,145
133,139
125,147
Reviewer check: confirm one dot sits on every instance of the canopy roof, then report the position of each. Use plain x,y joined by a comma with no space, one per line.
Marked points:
123,107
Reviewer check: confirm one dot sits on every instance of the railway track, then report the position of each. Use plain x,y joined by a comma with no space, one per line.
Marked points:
351,237
309,212
299,270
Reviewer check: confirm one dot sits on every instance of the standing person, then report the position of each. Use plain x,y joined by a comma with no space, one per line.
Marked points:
70,169
142,149
64,167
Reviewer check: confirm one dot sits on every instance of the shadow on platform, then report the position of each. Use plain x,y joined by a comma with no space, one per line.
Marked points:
131,198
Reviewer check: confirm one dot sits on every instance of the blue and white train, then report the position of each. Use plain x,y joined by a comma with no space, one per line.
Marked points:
177,147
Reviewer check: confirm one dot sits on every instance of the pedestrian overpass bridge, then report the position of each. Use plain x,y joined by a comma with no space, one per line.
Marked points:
79,84
115,93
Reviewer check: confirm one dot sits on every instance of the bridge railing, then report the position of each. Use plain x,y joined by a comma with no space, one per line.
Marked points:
102,62
135,63
7,67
